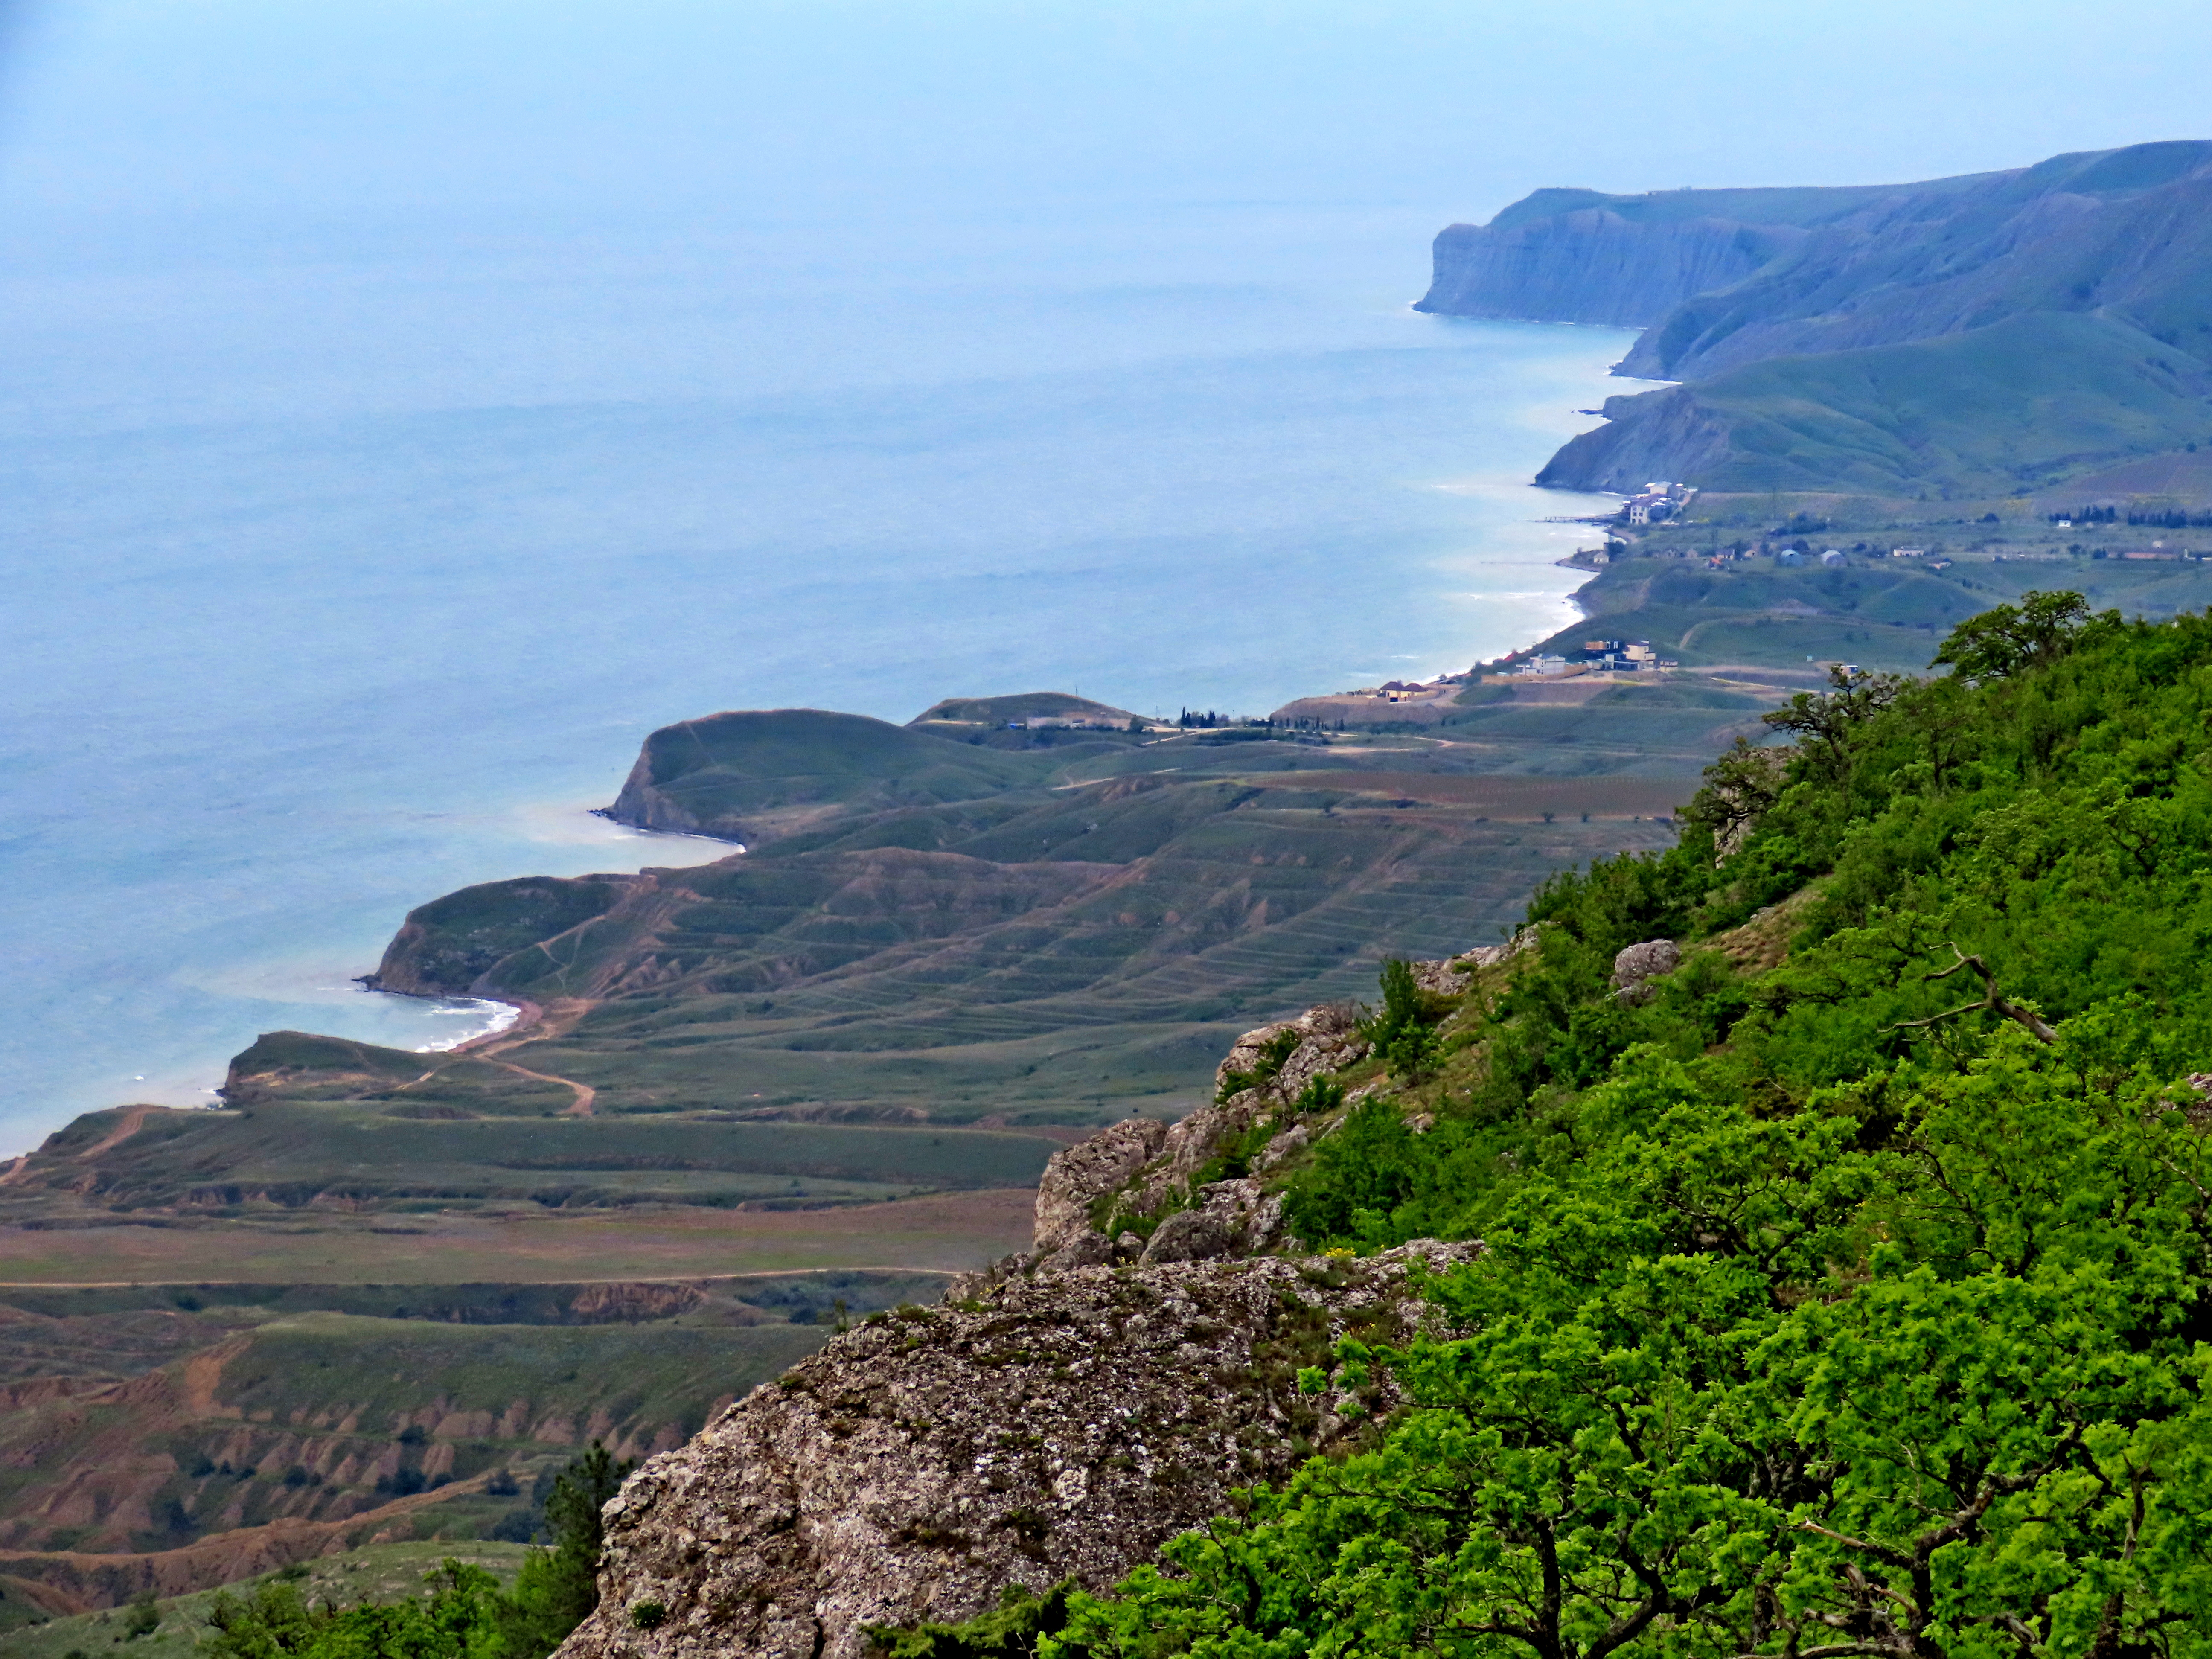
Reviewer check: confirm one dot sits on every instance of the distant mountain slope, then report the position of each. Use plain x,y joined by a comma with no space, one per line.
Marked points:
1581,256
1987,334
2125,234
2013,407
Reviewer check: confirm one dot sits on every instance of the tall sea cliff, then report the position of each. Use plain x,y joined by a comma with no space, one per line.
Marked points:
1980,335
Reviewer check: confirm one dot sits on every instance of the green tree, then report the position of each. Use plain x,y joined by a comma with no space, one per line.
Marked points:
464,1614
2007,640
145,1617
1401,1033
1855,1306
456,1620
556,1590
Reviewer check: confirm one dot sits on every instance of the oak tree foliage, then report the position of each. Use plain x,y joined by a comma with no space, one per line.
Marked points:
1852,1306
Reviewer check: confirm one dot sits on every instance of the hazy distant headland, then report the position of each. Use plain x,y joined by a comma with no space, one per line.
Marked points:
1993,334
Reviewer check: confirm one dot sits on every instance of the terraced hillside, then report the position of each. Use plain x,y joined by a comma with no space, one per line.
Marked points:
1057,953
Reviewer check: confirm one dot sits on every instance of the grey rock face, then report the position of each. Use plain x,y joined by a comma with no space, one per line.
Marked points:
1231,1218
917,1465
1639,963
1078,1175
1328,1039
1594,265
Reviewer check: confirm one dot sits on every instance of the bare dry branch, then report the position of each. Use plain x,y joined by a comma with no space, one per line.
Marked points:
1992,1001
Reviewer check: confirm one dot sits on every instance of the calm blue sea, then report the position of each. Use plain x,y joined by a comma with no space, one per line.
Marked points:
348,562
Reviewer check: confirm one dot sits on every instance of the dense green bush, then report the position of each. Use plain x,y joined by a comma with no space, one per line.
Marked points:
1854,1307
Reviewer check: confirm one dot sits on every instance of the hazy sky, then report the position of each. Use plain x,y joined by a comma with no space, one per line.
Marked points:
317,106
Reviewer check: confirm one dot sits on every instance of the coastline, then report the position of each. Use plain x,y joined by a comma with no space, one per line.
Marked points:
1457,592
508,1017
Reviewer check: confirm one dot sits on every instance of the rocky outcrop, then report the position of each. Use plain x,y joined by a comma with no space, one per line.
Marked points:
1061,1415
1325,1039
1233,1217
1635,965
1078,1176
1065,1425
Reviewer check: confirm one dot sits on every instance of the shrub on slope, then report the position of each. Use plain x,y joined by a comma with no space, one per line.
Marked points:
1855,1306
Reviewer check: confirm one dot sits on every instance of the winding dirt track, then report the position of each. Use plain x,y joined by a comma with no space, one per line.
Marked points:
580,1107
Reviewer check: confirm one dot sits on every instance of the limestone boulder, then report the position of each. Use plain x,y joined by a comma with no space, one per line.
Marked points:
1067,1425
1078,1175
1636,965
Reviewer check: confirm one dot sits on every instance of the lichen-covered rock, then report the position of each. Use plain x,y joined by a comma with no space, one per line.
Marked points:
1446,978
1078,1175
1284,1147
1327,1038
917,1466
1196,1140
1636,963
1231,1218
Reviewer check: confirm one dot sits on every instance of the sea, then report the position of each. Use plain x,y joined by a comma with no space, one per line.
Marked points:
346,559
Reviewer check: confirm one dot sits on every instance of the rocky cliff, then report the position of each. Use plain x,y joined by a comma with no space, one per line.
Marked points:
1062,1415
1593,266
1581,256
1061,1425
1977,335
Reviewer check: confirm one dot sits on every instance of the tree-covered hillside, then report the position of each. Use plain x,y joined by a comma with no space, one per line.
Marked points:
1845,1286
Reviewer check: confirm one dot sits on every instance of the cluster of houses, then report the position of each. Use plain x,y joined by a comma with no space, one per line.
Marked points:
1598,656
1657,502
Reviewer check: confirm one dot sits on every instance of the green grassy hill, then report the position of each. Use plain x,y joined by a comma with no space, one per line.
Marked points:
1981,336
1022,706
2016,406
744,775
